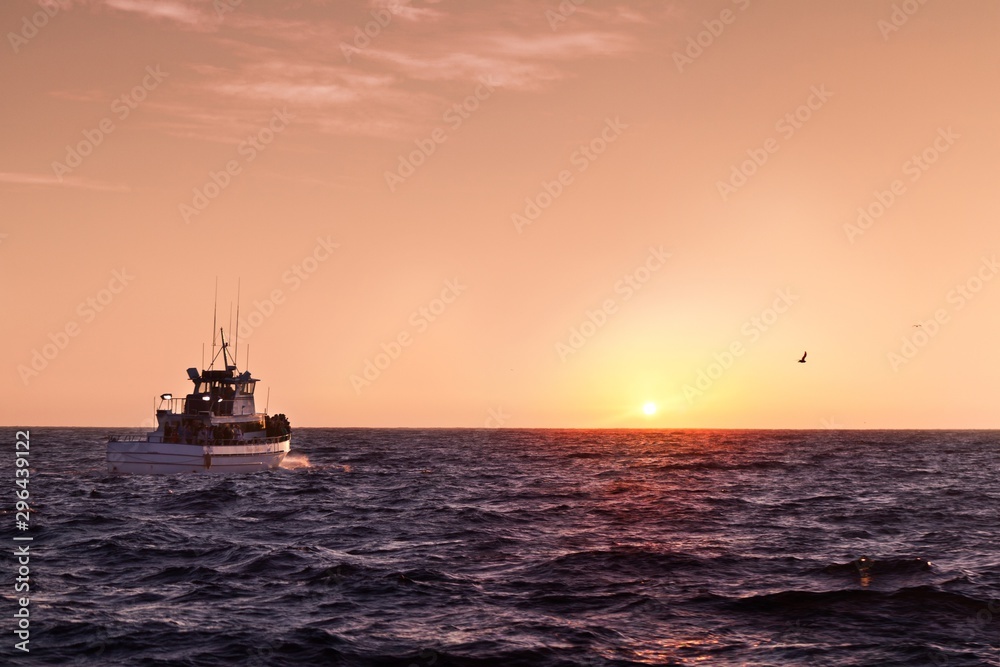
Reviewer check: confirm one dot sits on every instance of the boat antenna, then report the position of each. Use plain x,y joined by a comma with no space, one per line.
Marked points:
215,314
224,351
236,342
225,345
203,356
231,321
267,402
248,356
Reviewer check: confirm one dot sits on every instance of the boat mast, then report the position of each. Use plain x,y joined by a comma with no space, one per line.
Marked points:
225,354
215,313
236,344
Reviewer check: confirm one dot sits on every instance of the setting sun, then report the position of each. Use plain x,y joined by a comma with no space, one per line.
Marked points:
649,408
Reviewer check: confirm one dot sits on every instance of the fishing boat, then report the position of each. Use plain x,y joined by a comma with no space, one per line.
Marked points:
215,428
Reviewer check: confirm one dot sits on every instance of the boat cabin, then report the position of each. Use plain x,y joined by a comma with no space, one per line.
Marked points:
220,393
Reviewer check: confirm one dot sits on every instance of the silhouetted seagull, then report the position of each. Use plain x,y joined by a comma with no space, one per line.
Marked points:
803,359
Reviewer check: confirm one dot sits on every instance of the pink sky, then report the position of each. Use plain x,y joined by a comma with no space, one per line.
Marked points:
516,213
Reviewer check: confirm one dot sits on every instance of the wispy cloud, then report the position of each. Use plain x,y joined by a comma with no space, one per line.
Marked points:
161,9
46,180
428,55
569,46
404,9
513,60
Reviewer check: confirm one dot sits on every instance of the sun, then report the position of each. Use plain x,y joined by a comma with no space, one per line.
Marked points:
649,408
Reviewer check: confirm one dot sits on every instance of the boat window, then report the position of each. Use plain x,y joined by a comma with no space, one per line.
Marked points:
248,388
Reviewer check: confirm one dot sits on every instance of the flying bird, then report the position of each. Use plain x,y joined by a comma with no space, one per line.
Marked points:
803,359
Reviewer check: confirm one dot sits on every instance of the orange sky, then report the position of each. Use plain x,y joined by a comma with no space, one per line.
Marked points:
506,213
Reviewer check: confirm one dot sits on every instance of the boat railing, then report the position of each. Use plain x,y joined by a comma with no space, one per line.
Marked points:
217,442
211,442
236,407
217,407
251,441
172,405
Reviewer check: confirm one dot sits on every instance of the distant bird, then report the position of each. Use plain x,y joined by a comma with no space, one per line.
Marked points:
917,326
803,359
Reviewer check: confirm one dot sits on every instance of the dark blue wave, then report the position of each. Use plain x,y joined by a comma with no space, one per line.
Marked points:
430,547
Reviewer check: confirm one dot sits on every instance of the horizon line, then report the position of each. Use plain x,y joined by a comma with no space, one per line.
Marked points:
562,428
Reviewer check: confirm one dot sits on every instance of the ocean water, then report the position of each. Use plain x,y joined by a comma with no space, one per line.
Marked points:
427,548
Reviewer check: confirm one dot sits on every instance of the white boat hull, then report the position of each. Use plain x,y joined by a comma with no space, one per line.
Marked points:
164,458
